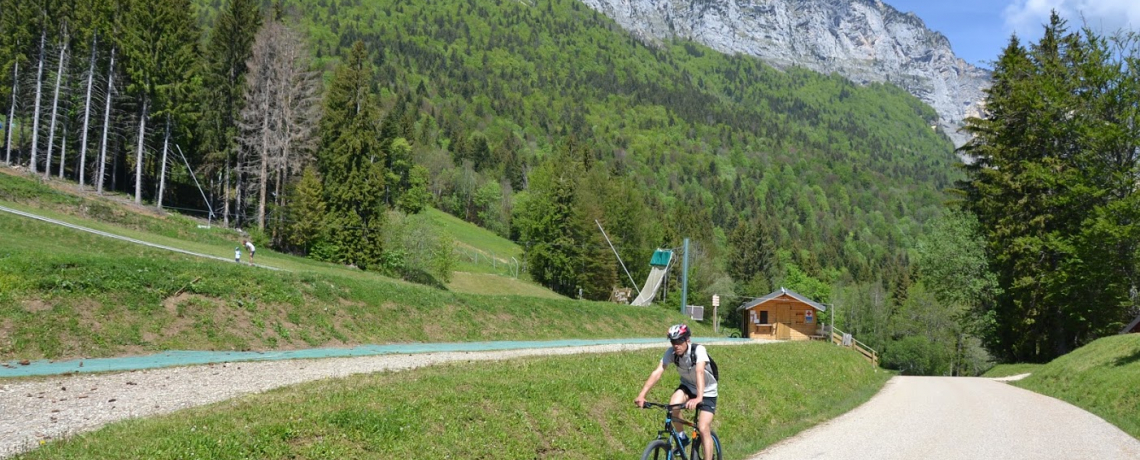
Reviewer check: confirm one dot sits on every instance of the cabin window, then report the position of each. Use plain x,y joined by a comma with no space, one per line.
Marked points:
763,316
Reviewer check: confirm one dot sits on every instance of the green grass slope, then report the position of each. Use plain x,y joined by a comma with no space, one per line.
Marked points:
561,407
71,294
486,263
1102,377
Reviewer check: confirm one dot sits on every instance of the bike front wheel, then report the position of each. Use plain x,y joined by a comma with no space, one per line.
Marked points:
698,452
658,449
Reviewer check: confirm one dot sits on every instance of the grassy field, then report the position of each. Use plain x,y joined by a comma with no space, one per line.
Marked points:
558,407
1102,377
479,249
70,294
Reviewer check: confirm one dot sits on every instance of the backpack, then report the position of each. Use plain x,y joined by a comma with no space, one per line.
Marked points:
693,362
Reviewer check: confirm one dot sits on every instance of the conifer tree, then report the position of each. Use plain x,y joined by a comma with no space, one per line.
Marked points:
228,48
751,256
1053,186
306,212
351,161
159,43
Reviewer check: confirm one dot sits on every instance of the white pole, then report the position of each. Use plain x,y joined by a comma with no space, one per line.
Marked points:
607,237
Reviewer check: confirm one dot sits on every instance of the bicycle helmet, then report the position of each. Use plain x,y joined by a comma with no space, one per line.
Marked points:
678,332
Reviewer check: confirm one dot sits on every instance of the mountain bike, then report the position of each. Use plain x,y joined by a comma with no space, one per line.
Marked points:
668,444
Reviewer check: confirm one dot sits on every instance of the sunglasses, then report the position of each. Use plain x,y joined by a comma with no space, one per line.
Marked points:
677,342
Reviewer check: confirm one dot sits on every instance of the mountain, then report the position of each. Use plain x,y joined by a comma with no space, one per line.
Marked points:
863,40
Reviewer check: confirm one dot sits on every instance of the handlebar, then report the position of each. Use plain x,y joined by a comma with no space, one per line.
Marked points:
651,405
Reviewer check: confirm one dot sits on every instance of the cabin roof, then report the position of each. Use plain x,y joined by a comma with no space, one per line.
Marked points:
781,293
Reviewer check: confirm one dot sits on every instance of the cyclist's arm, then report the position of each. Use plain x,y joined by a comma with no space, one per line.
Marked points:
649,382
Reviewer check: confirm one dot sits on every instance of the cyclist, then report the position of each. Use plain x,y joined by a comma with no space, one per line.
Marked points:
698,386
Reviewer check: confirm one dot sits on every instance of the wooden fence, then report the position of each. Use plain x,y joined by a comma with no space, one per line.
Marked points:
840,338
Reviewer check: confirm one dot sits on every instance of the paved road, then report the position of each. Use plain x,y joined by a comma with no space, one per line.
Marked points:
935,418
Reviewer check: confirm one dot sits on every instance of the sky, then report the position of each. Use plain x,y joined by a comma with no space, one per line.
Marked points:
979,29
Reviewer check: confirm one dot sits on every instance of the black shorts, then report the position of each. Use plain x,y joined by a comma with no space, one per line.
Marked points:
707,404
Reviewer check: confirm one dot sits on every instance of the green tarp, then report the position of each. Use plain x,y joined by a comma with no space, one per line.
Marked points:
661,257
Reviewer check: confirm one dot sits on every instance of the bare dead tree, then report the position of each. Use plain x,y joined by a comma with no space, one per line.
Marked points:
12,112
162,175
281,106
139,151
87,111
106,122
39,92
55,108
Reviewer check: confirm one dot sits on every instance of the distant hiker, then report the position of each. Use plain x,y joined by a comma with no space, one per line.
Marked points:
237,254
249,247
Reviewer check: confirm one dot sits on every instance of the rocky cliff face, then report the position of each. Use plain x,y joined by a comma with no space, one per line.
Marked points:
863,40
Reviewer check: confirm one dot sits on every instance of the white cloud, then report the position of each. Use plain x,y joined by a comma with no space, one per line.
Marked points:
1026,17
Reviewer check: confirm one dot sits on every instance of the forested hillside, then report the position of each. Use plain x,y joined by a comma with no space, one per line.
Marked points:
490,93
308,122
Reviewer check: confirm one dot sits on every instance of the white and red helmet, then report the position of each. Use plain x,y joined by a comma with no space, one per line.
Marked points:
678,332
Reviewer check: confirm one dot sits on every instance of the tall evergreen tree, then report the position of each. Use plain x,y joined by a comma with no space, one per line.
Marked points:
1053,185
228,48
751,256
550,224
306,212
159,42
351,161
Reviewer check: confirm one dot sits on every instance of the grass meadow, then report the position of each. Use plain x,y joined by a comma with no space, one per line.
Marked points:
542,407
1102,377
69,294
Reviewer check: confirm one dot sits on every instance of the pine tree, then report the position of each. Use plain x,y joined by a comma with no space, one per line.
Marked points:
228,48
351,161
159,43
751,256
306,212
1053,187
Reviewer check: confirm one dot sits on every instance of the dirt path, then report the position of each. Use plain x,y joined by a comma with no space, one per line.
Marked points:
934,418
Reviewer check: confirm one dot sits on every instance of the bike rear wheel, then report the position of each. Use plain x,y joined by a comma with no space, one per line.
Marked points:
698,452
657,449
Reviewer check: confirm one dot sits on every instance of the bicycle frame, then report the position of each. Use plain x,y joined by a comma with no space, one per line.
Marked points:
670,434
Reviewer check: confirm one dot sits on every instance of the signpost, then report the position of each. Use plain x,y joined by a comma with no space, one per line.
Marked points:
716,317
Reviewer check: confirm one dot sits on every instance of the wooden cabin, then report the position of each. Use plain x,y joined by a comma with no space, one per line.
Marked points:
1133,327
781,315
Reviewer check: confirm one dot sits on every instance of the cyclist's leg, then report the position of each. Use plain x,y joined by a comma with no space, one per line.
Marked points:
679,397
705,414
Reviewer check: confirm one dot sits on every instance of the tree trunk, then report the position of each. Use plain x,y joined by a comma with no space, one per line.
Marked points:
12,113
162,174
36,112
139,152
54,111
63,151
264,164
87,114
106,122
226,195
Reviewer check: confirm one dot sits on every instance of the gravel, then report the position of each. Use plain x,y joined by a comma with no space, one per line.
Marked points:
912,417
42,409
